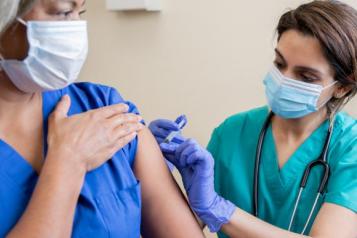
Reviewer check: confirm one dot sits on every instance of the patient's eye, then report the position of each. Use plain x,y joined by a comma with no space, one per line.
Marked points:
64,14
65,10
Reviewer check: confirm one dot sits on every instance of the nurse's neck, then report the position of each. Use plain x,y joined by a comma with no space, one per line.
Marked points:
299,128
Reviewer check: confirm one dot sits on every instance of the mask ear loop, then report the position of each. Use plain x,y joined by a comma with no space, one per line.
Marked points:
1,60
19,19
326,101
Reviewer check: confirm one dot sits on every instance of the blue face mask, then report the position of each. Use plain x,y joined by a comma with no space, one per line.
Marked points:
290,98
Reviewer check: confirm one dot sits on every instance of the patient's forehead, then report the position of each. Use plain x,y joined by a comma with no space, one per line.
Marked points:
59,3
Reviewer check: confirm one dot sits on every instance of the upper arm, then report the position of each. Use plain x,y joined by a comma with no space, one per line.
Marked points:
338,215
164,209
334,221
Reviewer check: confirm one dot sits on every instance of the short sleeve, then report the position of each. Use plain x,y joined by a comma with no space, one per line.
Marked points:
115,98
342,184
213,144
214,147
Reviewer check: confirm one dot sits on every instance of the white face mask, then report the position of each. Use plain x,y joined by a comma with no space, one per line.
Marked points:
57,52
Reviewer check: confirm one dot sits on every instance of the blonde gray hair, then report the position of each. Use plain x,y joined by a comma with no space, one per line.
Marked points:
10,9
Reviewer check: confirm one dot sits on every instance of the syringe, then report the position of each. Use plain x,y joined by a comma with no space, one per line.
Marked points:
181,121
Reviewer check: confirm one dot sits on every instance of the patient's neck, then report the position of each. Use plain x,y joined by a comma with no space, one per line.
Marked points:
9,93
14,102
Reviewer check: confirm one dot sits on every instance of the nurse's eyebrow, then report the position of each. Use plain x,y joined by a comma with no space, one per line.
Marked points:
308,69
280,54
300,67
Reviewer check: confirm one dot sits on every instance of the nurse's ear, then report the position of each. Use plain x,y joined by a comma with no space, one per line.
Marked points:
342,90
13,42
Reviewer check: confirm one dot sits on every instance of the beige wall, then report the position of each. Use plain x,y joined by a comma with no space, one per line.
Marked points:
202,58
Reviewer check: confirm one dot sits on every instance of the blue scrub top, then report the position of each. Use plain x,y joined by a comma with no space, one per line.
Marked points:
109,204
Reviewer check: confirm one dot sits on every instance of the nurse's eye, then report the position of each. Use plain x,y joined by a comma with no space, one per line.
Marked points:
308,79
278,64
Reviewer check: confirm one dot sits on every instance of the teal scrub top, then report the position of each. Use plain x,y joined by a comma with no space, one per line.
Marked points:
233,145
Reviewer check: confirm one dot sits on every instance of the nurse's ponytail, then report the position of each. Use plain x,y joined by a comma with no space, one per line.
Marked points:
334,24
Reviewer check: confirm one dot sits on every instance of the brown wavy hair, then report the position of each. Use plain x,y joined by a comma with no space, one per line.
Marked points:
334,25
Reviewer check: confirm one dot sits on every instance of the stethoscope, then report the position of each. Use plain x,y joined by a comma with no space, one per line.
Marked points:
321,160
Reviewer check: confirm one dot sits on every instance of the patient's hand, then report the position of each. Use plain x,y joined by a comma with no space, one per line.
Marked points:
89,139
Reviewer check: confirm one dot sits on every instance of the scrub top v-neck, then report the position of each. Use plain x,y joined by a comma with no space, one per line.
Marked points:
109,204
233,145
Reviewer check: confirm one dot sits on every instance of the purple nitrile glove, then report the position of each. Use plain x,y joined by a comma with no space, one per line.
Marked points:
161,129
196,167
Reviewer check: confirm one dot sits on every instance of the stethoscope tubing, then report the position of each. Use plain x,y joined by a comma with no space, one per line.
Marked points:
320,161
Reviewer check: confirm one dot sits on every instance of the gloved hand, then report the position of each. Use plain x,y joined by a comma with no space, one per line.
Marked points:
161,129
196,167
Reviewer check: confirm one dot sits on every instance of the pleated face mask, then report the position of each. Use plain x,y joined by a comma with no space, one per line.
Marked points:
290,98
57,52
